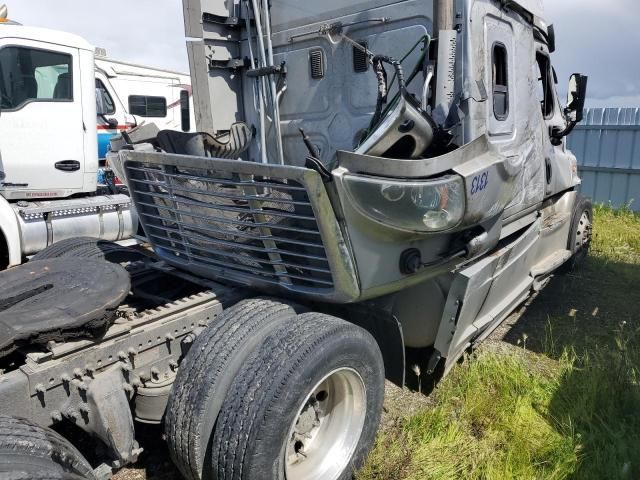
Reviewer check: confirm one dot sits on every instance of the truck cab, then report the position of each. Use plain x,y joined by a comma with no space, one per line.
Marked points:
48,112
380,151
49,154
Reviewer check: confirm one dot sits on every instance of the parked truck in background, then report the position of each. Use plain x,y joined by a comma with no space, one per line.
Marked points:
129,95
56,100
342,217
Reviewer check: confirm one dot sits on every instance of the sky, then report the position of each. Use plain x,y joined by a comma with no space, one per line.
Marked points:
598,38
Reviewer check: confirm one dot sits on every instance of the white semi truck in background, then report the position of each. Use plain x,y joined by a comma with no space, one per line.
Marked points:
132,94
57,99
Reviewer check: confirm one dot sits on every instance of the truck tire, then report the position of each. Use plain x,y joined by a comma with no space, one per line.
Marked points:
30,451
306,405
208,371
580,234
86,247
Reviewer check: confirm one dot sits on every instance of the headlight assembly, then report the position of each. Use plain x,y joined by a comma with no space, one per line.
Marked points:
416,206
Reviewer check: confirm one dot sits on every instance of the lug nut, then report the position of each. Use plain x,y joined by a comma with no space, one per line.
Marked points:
155,372
127,388
132,352
77,373
56,416
40,389
122,356
71,414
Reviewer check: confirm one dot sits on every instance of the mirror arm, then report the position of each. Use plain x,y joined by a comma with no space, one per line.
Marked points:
108,121
557,135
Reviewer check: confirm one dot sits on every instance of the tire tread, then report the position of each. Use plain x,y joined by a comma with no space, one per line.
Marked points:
257,390
204,369
21,436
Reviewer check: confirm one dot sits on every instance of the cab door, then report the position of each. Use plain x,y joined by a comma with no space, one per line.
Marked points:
560,164
41,120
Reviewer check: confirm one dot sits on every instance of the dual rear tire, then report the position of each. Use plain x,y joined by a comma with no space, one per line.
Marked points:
32,452
265,393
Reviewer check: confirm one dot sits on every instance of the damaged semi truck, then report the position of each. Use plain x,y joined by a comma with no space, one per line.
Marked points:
372,178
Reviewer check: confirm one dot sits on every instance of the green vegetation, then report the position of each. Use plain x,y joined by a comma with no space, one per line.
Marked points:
557,396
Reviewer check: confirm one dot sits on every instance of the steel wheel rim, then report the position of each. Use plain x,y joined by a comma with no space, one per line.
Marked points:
583,234
327,428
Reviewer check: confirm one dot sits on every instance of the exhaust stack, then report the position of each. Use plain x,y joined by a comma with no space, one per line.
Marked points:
444,17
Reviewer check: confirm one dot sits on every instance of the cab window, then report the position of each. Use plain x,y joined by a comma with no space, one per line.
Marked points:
185,111
144,106
29,74
102,94
500,82
545,84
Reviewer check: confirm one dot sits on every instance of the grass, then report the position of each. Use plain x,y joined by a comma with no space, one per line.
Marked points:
561,401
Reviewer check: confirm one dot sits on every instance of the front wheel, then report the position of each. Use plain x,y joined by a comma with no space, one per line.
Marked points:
306,405
581,232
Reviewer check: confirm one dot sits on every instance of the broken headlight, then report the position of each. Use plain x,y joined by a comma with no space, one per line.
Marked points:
416,206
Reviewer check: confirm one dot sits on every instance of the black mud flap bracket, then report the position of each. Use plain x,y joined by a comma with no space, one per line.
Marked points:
104,411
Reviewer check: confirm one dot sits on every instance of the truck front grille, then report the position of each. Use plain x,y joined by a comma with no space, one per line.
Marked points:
241,226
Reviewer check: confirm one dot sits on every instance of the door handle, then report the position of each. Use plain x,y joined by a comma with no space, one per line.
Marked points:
68,165
548,170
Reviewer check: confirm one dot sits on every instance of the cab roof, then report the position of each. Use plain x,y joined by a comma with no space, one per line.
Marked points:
536,7
46,35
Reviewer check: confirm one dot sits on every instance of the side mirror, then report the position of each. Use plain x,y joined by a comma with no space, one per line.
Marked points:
574,112
576,97
551,38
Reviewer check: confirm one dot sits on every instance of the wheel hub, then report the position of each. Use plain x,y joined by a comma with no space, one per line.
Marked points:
584,232
308,419
327,429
